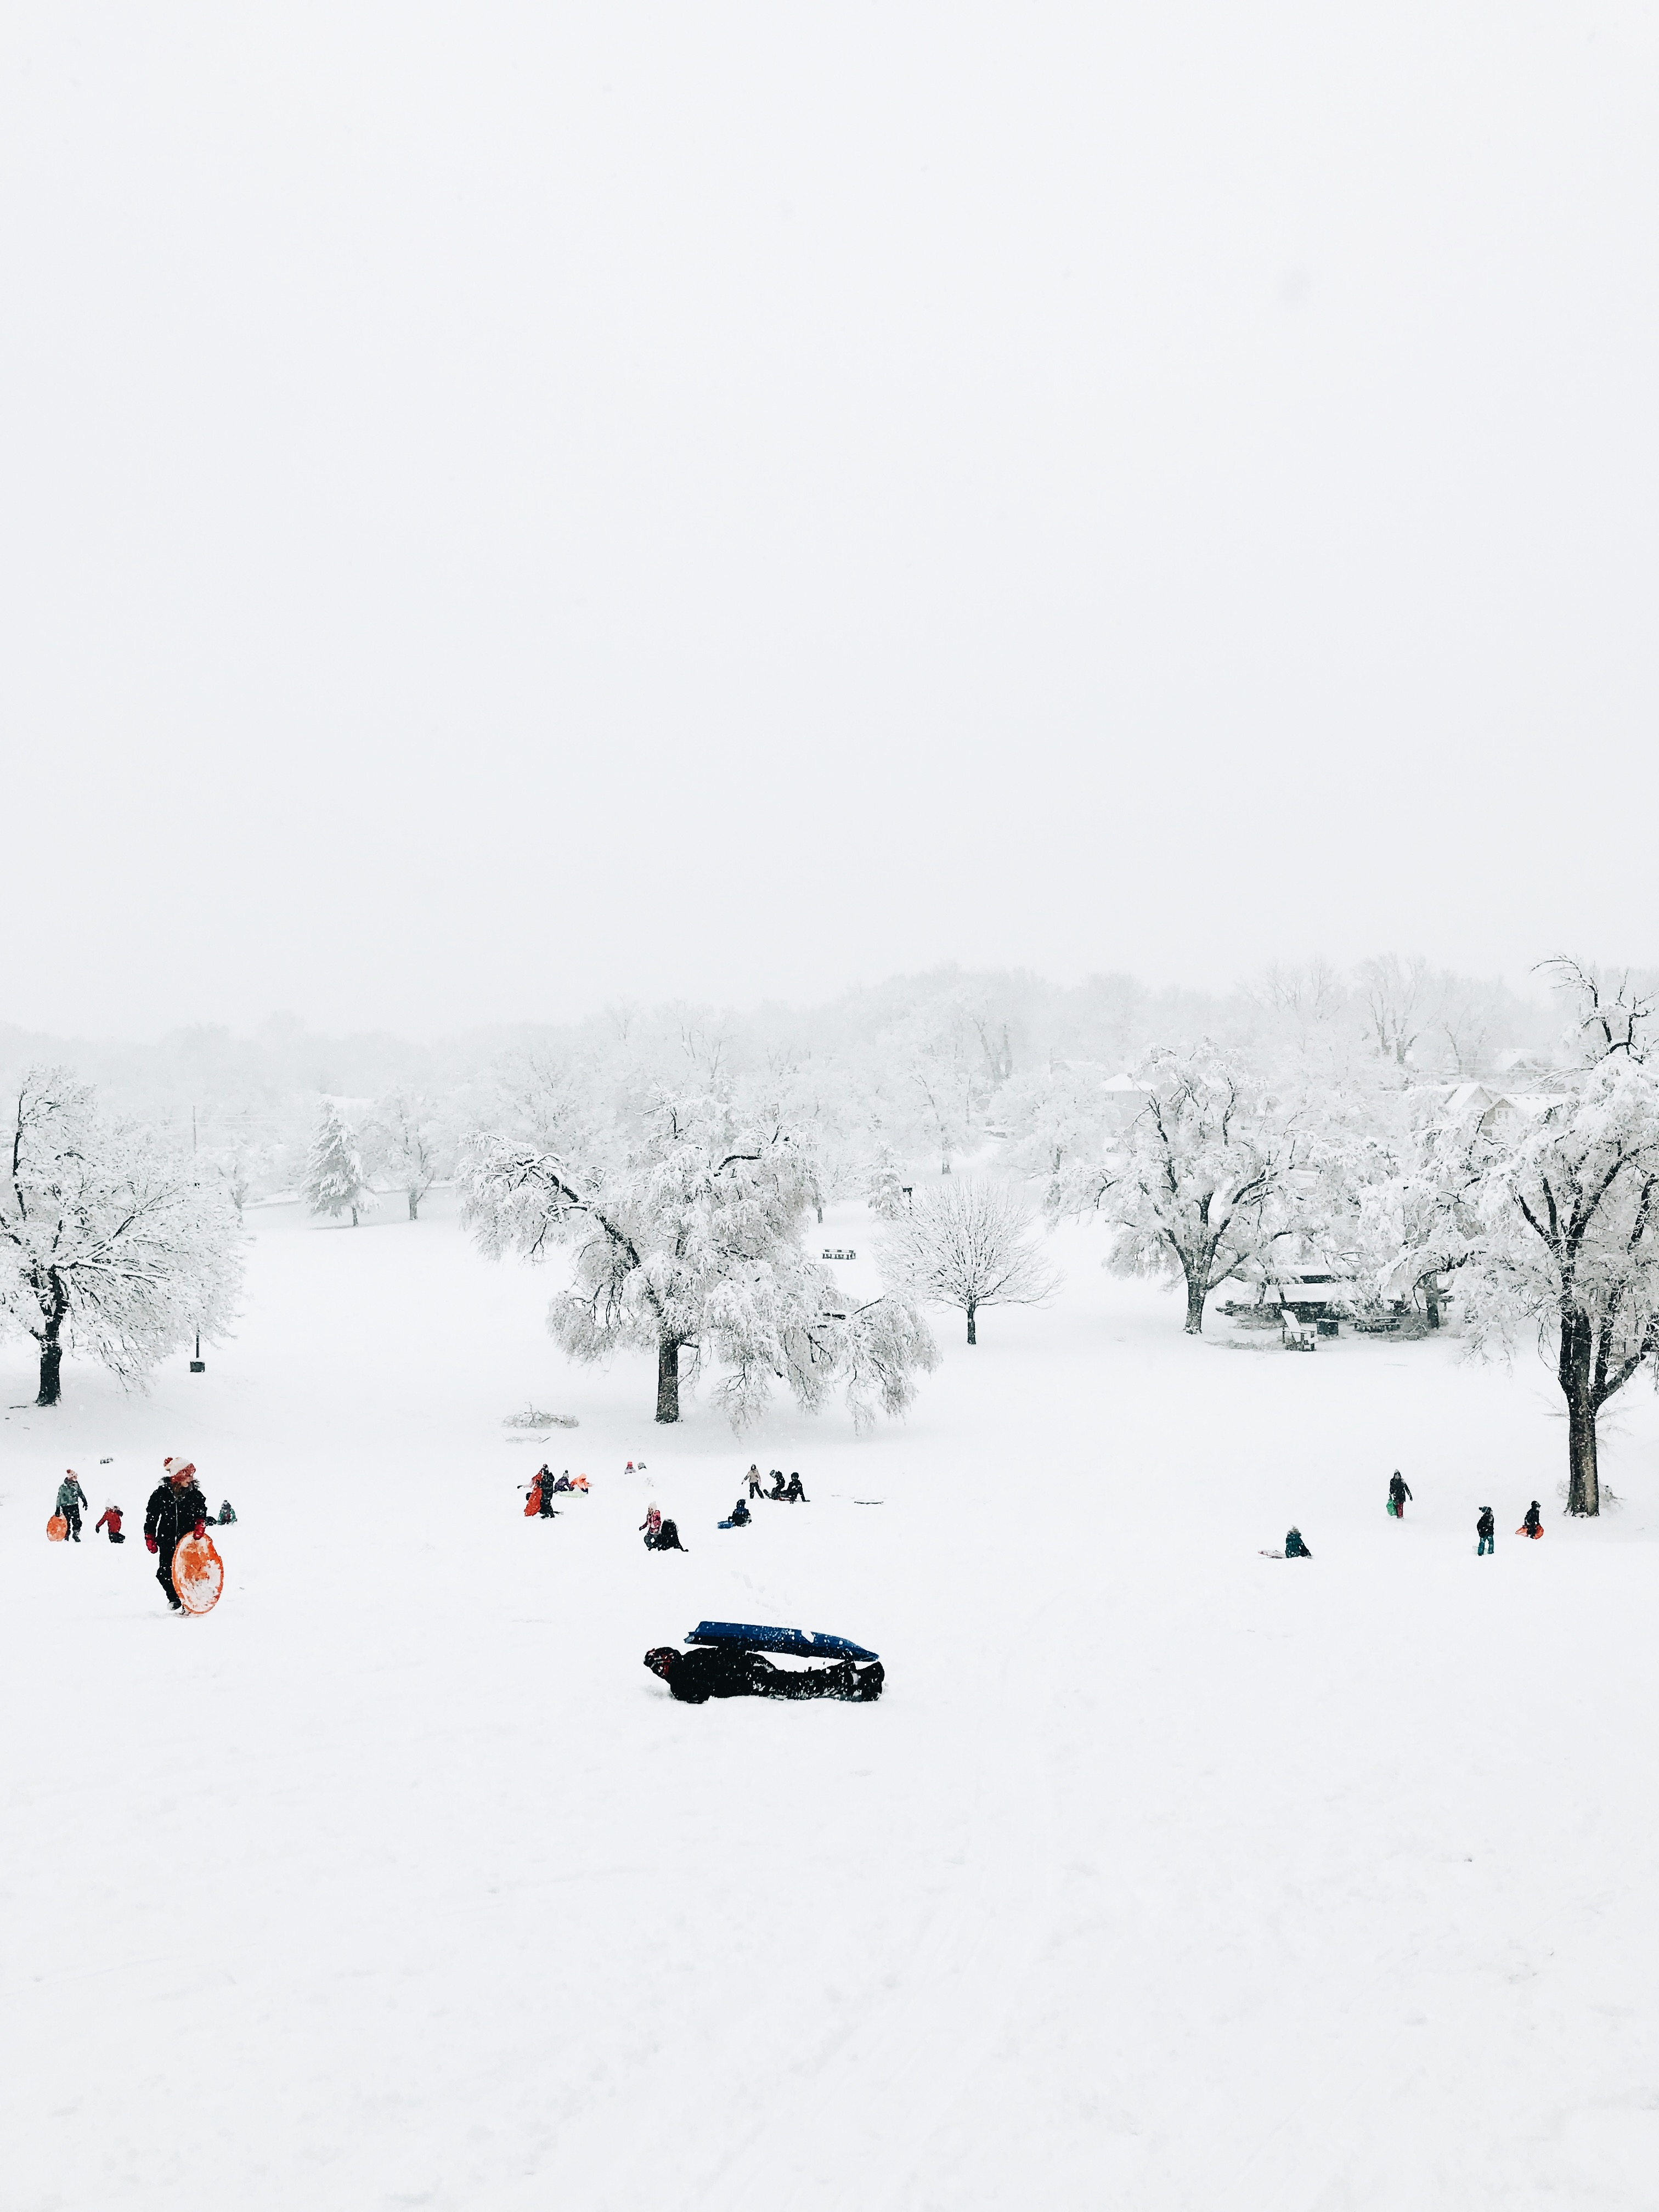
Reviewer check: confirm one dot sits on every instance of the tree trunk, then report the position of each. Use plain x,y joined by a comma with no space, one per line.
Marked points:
973,1333
668,1380
52,1362
354,1217
1432,1300
1583,1482
414,1205
1196,1295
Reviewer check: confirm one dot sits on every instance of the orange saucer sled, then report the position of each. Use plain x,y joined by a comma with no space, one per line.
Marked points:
198,1574
58,1528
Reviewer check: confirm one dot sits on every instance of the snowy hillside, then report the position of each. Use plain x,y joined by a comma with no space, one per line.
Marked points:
1166,1876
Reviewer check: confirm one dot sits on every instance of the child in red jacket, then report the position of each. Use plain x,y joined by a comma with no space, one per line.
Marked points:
111,1517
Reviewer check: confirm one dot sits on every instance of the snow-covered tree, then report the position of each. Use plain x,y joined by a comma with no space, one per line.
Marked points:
1398,999
884,1189
1390,1187
1200,1189
1569,1211
407,1143
967,1243
335,1180
110,1243
683,1226
1609,1014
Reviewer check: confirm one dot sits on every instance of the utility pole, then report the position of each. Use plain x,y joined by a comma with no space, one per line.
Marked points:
198,1365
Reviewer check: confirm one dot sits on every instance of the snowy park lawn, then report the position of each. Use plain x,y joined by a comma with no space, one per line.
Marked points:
1166,1874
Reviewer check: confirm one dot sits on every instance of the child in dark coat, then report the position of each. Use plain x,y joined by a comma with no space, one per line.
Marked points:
1486,1529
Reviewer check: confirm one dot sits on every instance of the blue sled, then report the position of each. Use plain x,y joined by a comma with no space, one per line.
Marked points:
799,1644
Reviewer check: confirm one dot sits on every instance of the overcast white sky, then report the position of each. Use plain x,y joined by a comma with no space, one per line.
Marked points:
506,506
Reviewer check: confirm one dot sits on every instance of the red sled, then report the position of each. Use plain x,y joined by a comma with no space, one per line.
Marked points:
533,1503
198,1574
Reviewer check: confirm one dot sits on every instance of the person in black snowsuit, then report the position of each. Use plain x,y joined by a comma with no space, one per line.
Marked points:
741,1517
1530,1523
795,1495
176,1509
1294,1546
666,1539
697,1675
1486,1529
1399,1491
776,1490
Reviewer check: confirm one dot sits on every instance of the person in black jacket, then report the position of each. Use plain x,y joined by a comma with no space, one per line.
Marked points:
1399,1493
794,1495
1294,1546
702,1673
176,1509
1529,1523
1486,1529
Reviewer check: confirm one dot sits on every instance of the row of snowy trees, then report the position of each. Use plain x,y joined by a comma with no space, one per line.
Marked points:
406,1139
1547,1212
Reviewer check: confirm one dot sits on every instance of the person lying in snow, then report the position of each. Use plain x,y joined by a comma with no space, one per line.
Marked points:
1529,1527
1398,1493
1486,1529
696,1676
110,1518
1294,1546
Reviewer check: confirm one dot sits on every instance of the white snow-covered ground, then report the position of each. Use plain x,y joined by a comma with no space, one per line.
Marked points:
1165,1875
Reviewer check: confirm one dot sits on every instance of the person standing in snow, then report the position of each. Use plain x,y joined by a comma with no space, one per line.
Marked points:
1398,1493
70,1498
110,1516
1294,1546
1486,1529
753,1479
1530,1527
176,1509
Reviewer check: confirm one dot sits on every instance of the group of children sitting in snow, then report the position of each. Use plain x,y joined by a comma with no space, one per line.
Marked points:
781,1493
1486,1529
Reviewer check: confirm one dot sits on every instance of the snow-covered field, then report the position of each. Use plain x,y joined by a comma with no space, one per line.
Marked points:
1165,1875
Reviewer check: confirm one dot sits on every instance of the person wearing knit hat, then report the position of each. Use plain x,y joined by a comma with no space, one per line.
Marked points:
176,1509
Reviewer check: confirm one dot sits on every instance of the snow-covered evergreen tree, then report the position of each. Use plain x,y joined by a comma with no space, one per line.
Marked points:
110,1242
335,1180
967,1243
883,1189
684,1225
